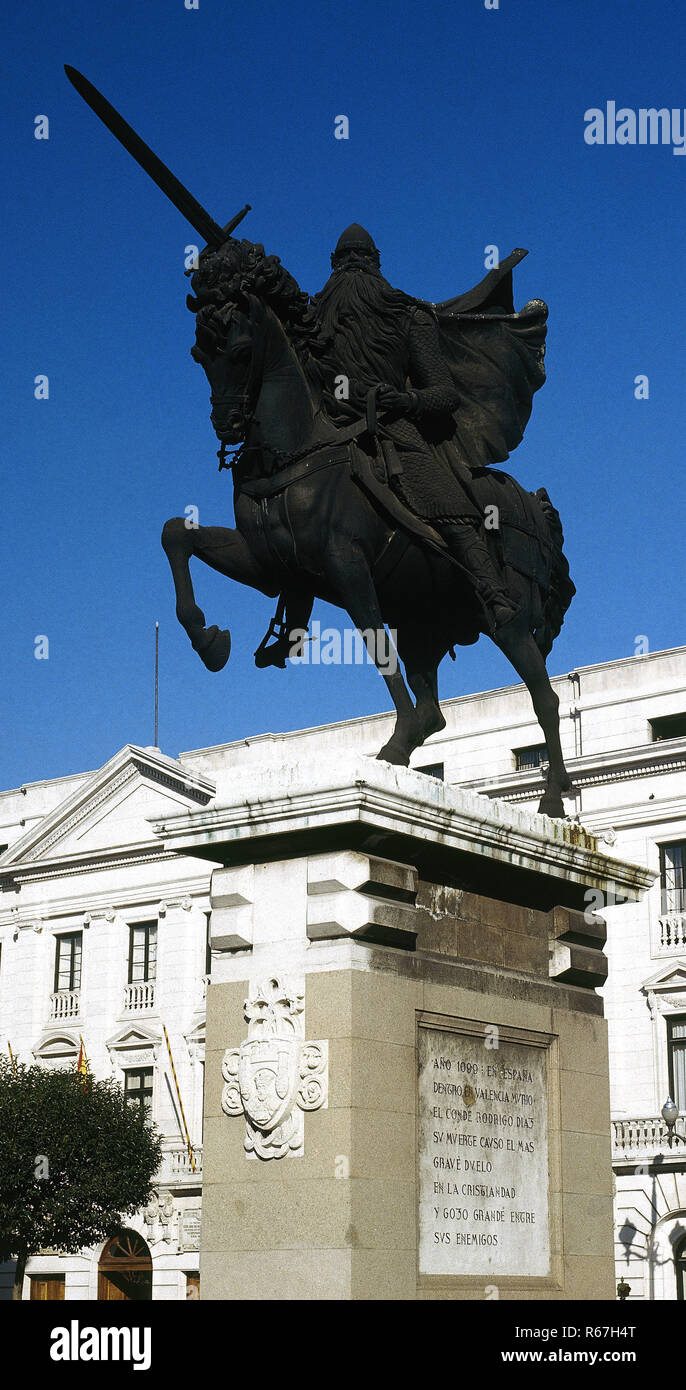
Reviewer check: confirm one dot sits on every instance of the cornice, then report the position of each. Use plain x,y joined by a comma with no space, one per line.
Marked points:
12,878
164,893
202,792
622,765
395,801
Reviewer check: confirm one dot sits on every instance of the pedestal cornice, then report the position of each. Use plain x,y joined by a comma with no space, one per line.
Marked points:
446,831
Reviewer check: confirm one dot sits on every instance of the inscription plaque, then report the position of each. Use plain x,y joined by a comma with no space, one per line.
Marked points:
189,1229
483,1153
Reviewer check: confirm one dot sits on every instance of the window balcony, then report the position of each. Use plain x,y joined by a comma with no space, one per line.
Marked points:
639,1140
139,997
176,1165
670,936
65,1004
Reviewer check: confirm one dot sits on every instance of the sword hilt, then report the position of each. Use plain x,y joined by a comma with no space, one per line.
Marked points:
235,220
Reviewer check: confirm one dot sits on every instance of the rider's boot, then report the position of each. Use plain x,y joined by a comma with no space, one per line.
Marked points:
469,547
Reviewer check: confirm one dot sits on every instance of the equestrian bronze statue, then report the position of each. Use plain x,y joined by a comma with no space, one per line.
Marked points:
361,427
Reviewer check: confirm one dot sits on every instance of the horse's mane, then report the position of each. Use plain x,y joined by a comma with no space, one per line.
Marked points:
228,276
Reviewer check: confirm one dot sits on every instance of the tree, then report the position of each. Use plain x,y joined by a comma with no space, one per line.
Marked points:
75,1159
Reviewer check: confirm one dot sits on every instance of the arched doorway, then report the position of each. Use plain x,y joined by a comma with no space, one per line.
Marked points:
680,1266
125,1269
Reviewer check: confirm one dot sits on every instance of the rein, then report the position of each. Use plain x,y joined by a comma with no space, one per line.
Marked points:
366,425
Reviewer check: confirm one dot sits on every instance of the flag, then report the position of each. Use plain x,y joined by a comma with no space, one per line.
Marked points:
189,1146
82,1066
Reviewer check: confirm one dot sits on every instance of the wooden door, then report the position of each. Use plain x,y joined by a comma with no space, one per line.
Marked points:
47,1286
125,1269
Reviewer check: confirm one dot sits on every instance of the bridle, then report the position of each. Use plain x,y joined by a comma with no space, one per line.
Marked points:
244,403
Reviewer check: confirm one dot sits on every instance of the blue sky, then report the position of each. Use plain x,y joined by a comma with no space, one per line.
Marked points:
466,130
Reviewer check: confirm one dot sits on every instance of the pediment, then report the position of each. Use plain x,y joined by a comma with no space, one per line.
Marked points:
131,1036
671,976
61,1046
112,809
195,1037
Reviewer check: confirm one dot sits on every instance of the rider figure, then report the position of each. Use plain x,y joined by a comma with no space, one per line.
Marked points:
369,335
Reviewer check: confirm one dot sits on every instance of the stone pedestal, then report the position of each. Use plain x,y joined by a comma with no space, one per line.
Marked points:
406,1065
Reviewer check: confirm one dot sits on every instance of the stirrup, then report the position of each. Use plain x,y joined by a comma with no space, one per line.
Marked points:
265,655
271,656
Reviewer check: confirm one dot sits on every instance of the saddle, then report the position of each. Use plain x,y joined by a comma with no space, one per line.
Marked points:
344,449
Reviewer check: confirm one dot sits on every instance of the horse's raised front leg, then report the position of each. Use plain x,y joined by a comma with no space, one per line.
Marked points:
212,644
223,549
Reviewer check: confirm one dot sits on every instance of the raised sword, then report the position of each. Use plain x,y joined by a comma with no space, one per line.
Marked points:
193,211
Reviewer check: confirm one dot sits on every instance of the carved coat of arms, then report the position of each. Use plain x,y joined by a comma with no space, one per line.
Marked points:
274,1075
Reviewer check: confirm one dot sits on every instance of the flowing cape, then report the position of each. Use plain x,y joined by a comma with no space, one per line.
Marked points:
495,357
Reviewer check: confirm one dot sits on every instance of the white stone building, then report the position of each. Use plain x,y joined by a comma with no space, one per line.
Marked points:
104,939
103,936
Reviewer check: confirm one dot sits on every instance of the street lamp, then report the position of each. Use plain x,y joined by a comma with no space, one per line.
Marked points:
670,1115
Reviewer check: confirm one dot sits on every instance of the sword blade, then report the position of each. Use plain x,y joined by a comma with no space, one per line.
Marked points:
187,205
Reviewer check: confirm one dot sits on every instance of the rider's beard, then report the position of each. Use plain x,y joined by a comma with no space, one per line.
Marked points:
361,324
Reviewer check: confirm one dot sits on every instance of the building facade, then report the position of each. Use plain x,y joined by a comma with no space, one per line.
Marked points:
103,939
104,942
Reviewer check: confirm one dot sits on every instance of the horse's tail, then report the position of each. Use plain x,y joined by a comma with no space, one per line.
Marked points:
561,590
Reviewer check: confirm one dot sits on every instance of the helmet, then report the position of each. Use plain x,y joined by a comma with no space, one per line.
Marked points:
355,238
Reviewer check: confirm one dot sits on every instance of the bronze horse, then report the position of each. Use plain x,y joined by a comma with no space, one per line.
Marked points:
311,521
314,518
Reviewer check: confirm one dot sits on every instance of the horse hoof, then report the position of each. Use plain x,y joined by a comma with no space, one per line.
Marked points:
392,753
216,651
431,724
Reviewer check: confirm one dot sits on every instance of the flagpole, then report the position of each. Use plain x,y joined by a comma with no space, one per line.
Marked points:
12,1057
157,667
178,1094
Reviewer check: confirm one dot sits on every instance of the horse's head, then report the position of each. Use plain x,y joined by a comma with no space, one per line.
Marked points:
231,289
225,321
225,348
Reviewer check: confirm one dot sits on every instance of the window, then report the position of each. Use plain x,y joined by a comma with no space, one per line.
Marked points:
676,1052
669,726
138,1088
68,961
142,952
680,1265
47,1286
208,946
528,759
673,876
432,770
